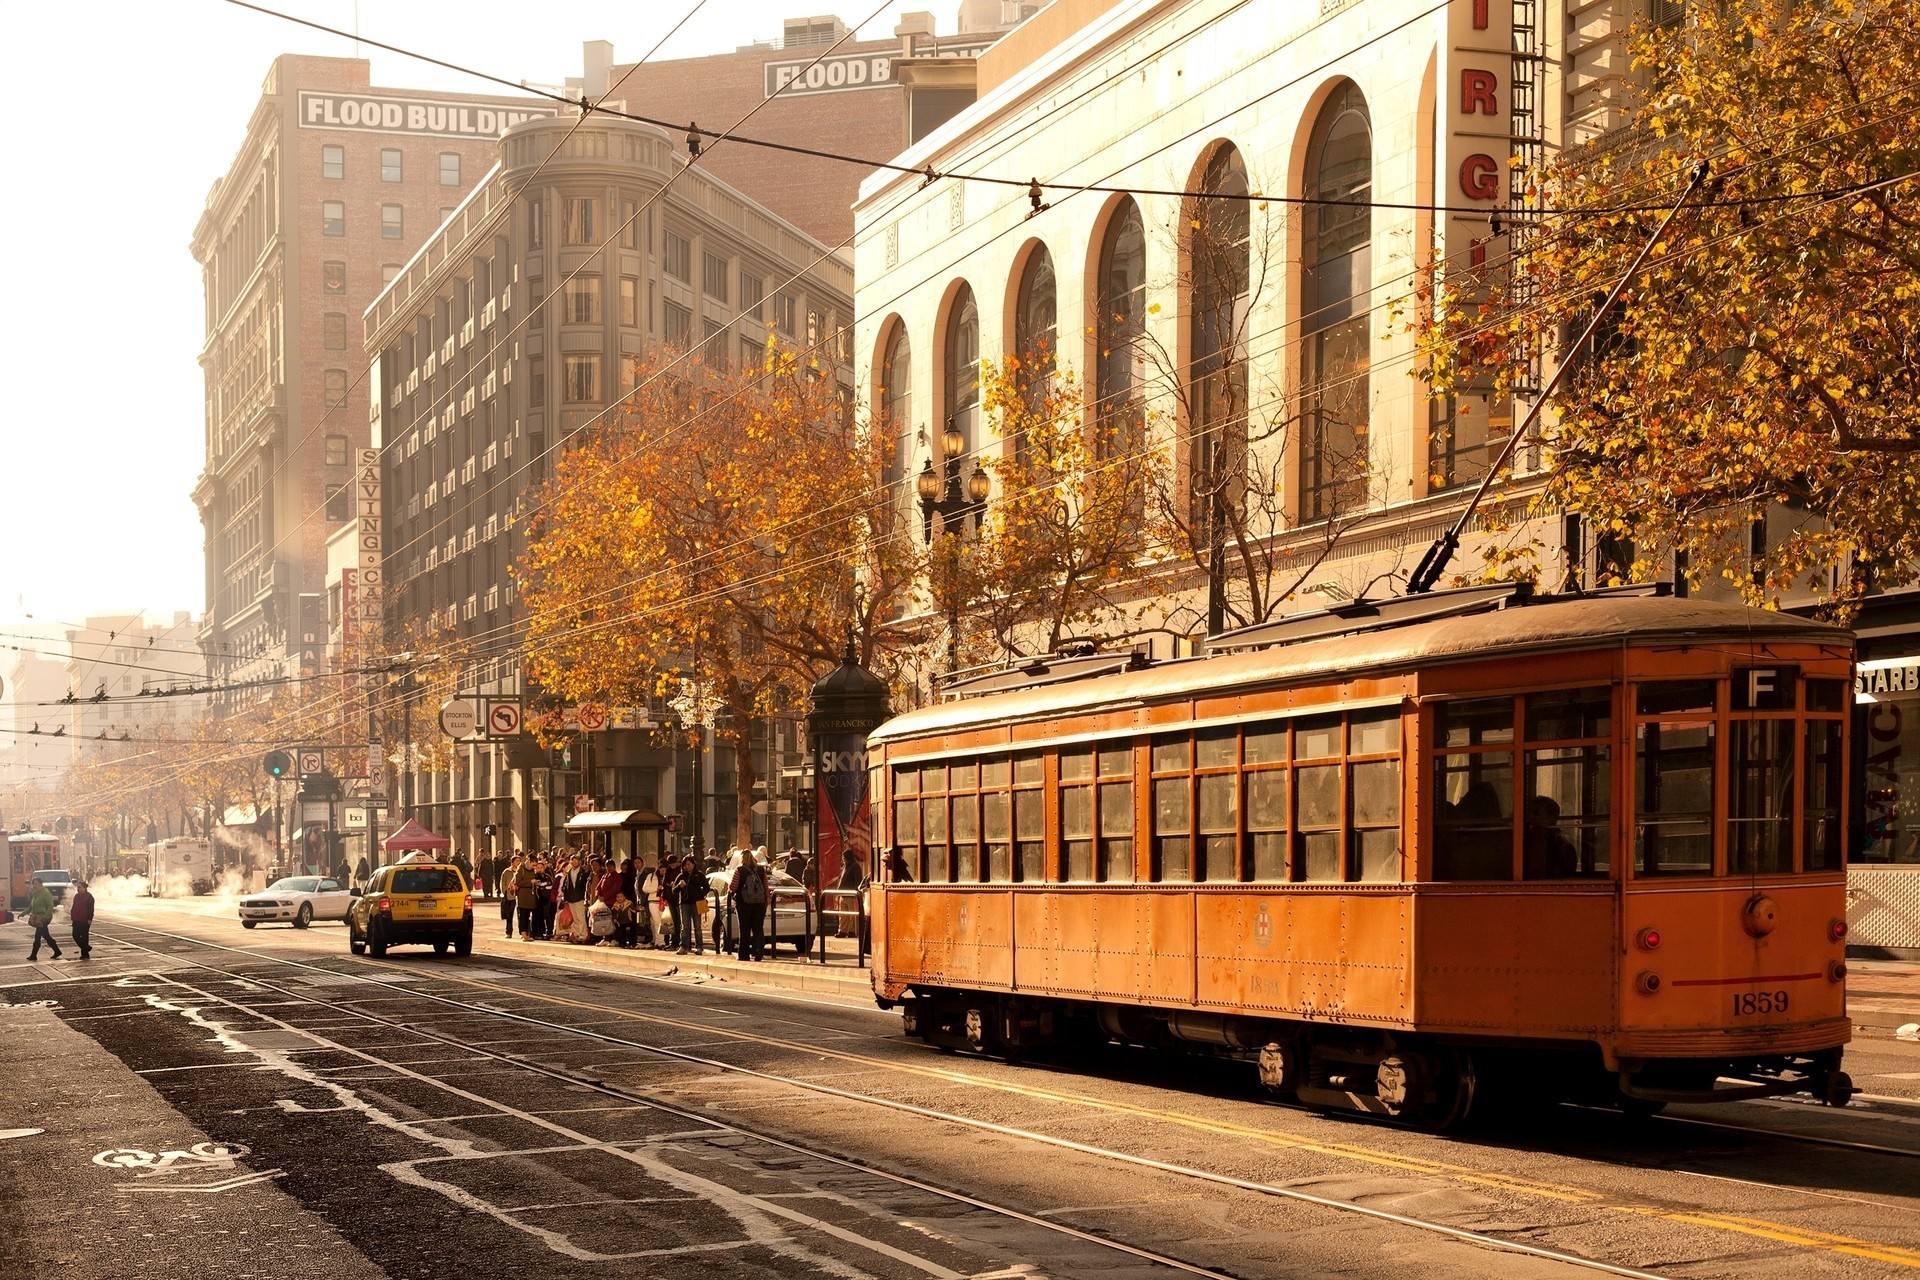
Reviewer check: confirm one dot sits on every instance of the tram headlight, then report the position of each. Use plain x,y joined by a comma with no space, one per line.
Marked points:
1837,971
1647,939
1836,929
1647,983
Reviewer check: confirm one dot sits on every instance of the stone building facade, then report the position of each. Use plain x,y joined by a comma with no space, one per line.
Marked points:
335,184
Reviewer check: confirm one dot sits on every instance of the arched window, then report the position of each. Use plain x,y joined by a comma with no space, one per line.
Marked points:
1337,280
1035,324
1220,272
963,368
896,407
896,398
1120,327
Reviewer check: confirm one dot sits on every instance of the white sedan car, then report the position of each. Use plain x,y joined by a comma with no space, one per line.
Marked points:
296,900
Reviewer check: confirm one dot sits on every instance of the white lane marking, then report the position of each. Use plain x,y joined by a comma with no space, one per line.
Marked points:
211,1188
8,1134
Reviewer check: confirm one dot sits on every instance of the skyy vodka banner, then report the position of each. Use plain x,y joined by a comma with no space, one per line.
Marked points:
844,809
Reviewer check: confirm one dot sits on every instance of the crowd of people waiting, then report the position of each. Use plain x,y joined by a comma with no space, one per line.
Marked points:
587,898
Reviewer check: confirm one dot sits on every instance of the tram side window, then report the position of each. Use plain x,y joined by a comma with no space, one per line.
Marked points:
1030,833
1375,799
1566,832
1076,814
906,834
1116,814
1172,809
1825,792
1320,796
1760,799
996,818
1172,830
1673,797
966,834
1473,785
933,834
1266,801
1217,796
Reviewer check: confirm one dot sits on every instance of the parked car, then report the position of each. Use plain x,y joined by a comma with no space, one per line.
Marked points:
298,901
788,917
411,901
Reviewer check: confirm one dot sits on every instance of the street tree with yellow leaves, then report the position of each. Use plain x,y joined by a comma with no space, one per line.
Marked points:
1766,360
727,528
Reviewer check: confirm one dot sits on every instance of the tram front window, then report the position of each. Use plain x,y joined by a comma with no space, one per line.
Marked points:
1760,800
1673,794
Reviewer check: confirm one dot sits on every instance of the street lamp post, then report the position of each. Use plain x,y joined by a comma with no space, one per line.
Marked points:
943,495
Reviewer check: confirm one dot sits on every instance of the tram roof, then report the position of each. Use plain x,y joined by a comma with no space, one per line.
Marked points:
1552,624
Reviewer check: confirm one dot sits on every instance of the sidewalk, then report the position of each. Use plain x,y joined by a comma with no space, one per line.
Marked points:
108,1181
840,976
1883,996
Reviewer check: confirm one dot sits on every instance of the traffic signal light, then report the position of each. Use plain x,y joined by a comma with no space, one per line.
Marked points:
278,764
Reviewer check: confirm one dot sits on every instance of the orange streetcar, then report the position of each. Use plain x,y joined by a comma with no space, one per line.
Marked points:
1401,854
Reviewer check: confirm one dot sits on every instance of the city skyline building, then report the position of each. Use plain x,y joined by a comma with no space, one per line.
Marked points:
480,380
334,185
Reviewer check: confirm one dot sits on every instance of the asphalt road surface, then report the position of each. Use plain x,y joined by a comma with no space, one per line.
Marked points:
199,1099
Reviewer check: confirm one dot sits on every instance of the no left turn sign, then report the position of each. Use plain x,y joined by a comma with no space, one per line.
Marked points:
503,719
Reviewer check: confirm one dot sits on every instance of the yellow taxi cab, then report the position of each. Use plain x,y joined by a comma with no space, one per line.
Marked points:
408,902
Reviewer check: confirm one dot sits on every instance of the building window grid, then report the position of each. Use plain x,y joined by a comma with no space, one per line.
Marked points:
714,273
390,164
393,222
333,218
449,168
676,257
333,162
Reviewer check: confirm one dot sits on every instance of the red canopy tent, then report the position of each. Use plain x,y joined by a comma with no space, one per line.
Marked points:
411,837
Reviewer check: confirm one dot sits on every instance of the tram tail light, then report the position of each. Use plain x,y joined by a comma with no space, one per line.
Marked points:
1837,929
1647,939
1647,983
1837,971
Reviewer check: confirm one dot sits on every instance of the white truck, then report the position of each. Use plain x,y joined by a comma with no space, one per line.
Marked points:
178,867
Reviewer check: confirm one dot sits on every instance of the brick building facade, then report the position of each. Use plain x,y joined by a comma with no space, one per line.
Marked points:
334,186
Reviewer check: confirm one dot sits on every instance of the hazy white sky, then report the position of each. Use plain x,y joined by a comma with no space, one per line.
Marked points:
123,112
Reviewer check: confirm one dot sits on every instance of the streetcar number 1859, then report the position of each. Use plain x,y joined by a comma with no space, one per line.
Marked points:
1752,1002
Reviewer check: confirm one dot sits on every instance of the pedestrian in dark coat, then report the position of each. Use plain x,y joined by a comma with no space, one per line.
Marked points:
80,916
689,891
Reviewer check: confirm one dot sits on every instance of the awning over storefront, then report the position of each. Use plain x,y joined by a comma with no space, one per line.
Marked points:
616,820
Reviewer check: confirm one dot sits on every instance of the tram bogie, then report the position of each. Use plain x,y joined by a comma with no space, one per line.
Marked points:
1584,849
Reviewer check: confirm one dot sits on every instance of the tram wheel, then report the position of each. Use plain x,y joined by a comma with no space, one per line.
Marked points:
1454,1093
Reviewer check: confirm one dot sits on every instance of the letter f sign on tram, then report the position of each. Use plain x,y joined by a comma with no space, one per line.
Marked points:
1760,686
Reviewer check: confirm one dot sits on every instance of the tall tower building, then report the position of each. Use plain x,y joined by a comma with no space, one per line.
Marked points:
334,186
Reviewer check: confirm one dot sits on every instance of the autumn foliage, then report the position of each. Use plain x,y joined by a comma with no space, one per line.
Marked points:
1766,360
727,527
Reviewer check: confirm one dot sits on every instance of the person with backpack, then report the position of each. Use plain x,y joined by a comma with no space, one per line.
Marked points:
748,889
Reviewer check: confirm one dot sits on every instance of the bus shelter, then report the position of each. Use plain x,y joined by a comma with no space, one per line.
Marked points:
645,832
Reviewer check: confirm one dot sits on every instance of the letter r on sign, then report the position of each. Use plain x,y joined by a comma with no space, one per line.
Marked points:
1479,92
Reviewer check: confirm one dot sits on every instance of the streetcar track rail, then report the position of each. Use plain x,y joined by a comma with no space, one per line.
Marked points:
532,1066
1462,1234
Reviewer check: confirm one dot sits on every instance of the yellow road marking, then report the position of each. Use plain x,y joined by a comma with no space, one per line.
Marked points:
1760,1227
